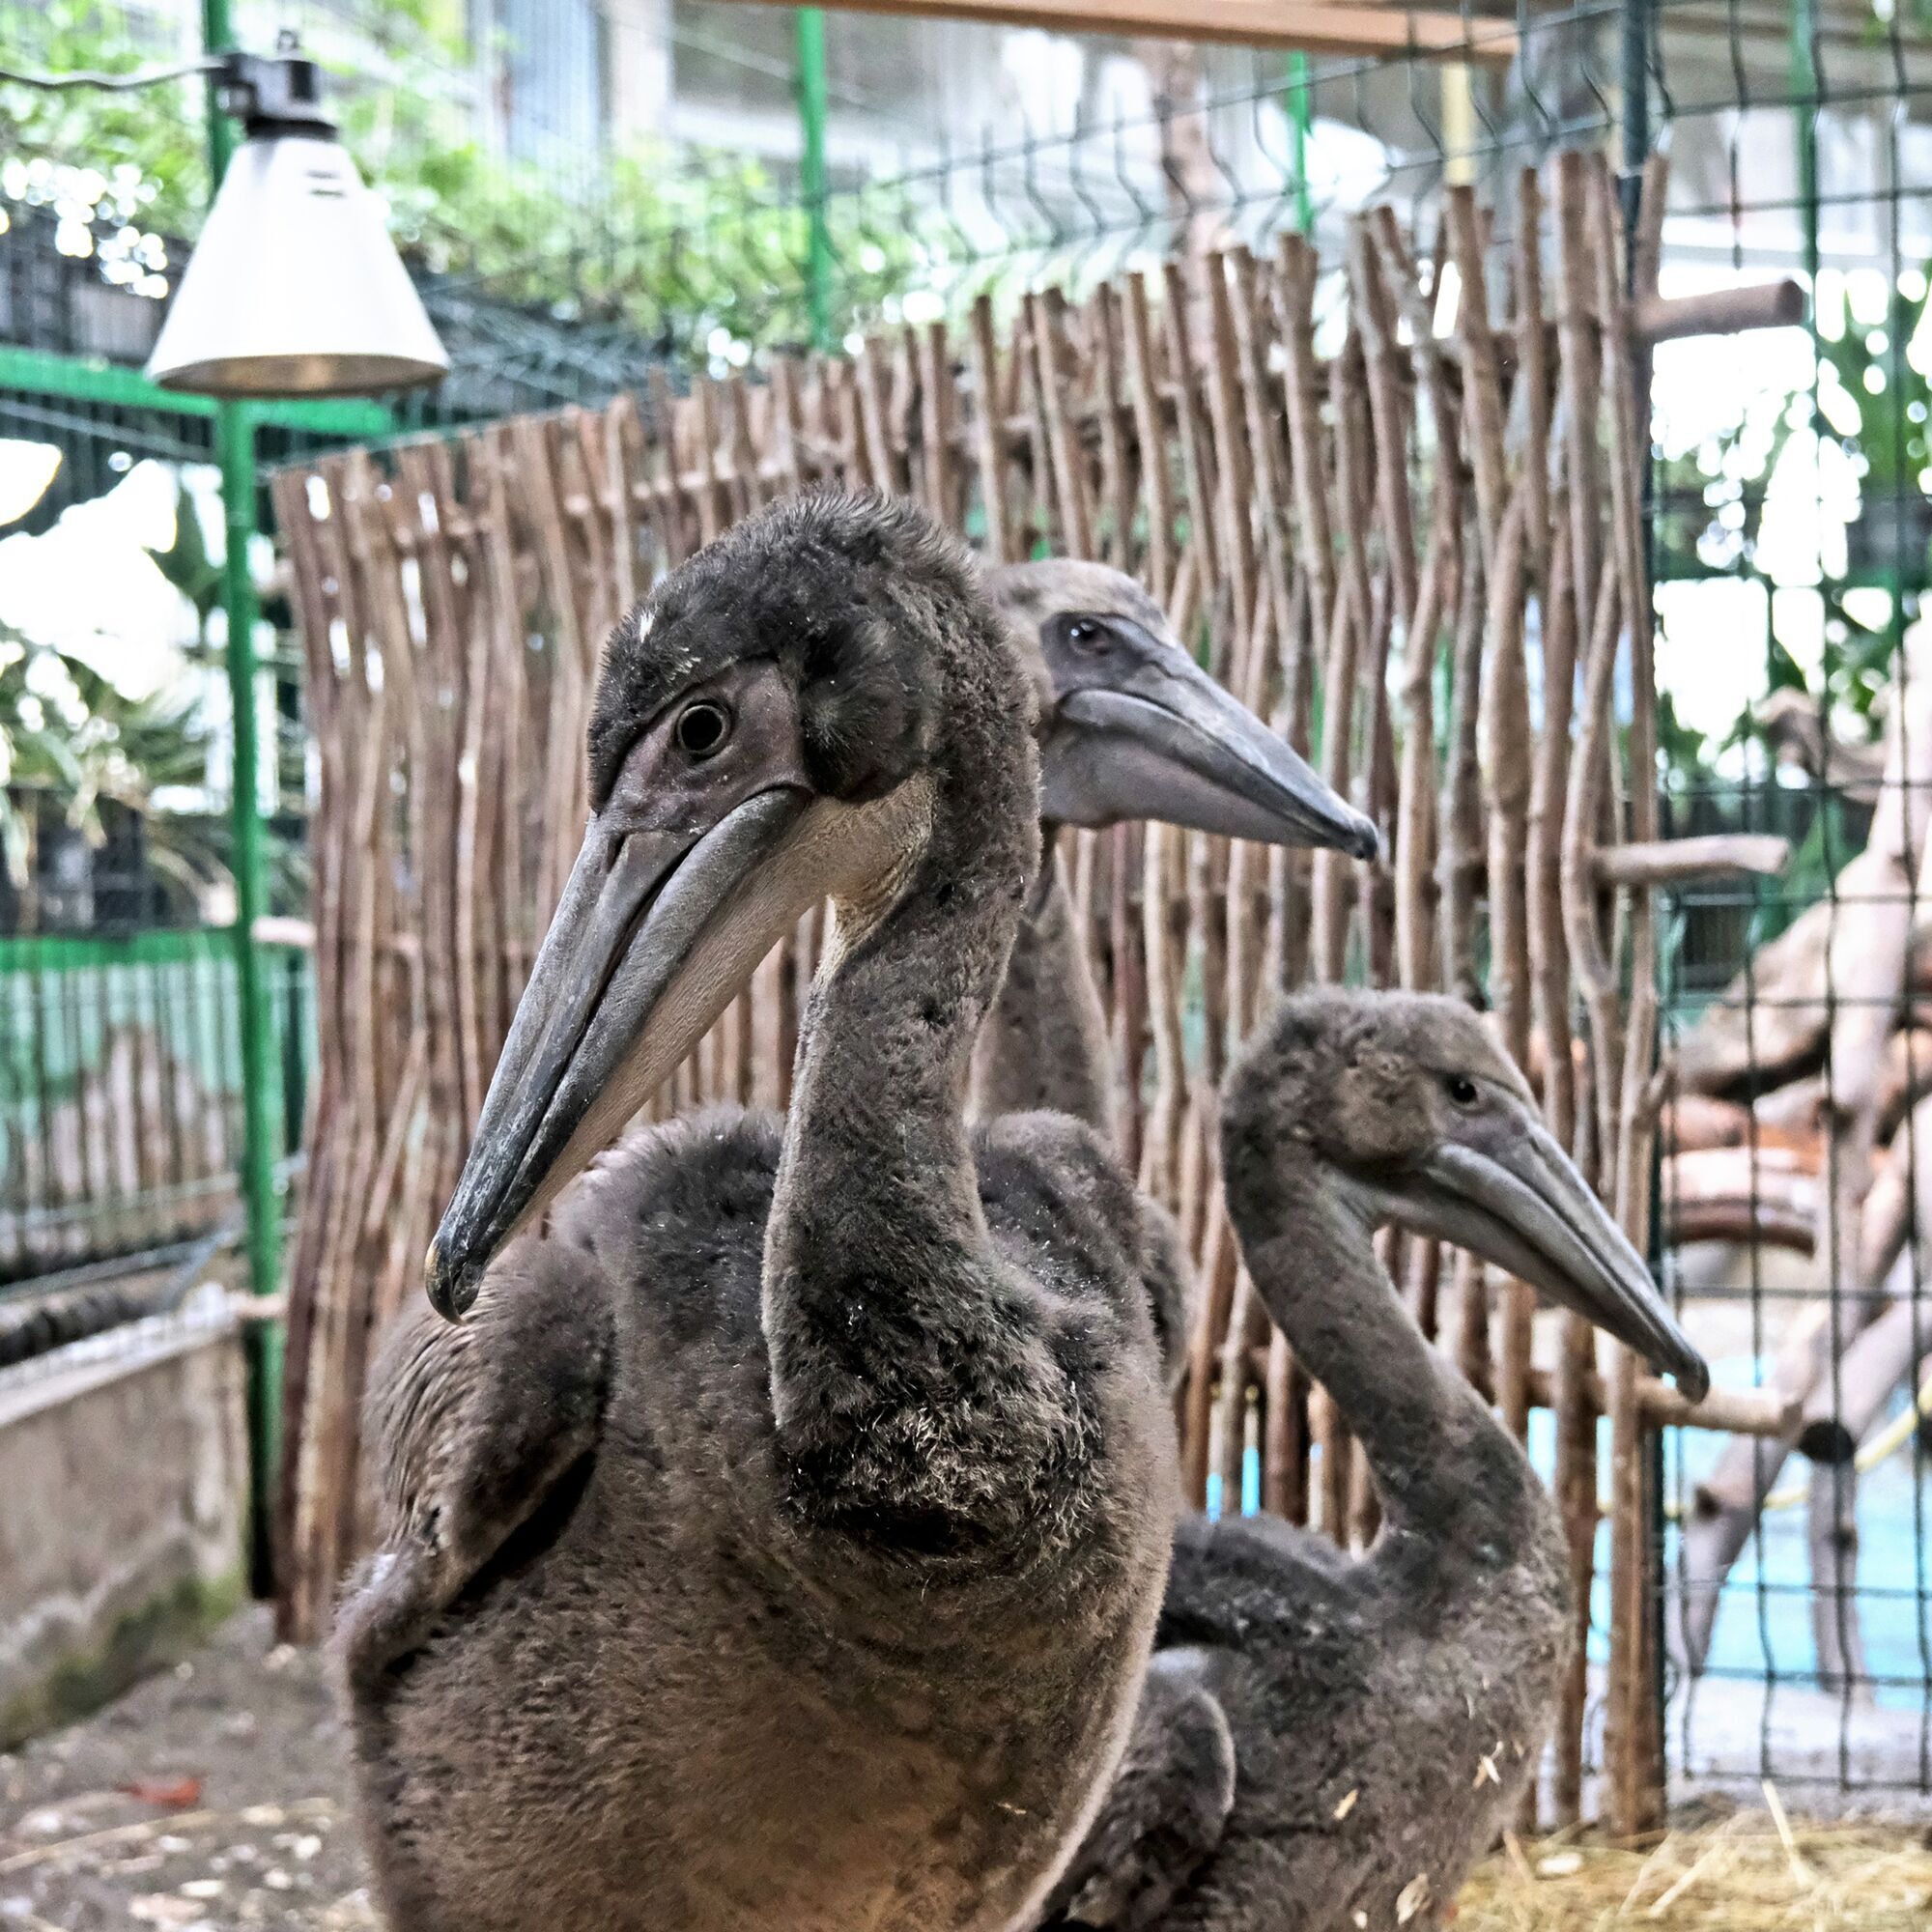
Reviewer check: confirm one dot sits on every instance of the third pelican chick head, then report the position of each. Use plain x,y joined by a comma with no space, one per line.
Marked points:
1411,1114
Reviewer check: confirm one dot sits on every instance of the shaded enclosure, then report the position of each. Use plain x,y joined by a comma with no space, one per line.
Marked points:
1431,489
454,597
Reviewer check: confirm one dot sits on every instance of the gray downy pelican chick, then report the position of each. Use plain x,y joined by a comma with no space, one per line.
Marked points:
1131,728
1328,1743
840,1615
1129,724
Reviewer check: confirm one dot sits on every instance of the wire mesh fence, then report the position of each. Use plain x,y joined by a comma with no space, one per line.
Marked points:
1795,1584
602,241
1792,537
560,169
1791,527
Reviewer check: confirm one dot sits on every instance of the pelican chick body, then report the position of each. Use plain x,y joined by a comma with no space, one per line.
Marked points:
1327,1743
853,1502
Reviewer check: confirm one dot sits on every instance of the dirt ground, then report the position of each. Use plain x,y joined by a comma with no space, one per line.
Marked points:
210,1799
214,1799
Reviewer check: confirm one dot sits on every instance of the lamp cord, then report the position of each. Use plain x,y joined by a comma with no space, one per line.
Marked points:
113,83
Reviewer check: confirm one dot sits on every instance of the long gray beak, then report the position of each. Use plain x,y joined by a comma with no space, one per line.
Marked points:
1173,745
1522,1206
609,1010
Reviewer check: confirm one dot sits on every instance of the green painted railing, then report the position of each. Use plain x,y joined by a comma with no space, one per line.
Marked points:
123,1091
78,378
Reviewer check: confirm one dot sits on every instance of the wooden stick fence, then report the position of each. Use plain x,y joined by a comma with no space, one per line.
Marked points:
1337,514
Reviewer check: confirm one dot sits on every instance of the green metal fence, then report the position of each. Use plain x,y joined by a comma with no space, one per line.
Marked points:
123,1096
1802,142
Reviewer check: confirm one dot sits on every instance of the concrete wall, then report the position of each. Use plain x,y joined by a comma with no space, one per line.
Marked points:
123,1494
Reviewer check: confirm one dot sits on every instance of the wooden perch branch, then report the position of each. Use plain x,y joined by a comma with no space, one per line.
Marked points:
1718,311
1680,862
1849,1400
1730,1411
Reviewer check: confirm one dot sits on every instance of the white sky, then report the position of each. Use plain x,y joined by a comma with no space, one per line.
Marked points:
87,585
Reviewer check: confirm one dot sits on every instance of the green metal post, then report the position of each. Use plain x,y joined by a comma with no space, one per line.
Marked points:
1805,109
812,172
261,1066
1805,121
217,37
1301,118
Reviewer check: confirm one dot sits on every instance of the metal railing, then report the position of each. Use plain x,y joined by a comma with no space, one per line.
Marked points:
121,1093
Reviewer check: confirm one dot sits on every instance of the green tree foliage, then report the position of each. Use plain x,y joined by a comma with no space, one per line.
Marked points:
1871,402
699,253
70,737
72,742
123,171
1874,394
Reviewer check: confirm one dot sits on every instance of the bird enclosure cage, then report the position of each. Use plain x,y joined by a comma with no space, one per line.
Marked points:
1210,365
1338,513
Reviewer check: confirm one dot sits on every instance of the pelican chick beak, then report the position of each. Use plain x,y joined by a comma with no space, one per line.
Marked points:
1517,1201
618,995
1167,742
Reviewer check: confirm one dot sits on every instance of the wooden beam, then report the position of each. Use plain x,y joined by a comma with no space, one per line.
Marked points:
1680,862
1310,26
1760,1411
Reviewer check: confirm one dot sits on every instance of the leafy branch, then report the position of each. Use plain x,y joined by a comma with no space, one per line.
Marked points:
698,253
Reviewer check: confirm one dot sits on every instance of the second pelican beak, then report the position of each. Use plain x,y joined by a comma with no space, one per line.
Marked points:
1164,741
1518,1202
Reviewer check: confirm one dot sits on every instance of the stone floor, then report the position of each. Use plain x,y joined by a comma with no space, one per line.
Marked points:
210,1799
213,1797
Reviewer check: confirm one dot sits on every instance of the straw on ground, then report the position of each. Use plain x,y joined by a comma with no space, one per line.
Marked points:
1757,1871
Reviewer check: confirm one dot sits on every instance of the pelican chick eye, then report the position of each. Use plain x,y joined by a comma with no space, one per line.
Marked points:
1460,1089
1087,634
702,729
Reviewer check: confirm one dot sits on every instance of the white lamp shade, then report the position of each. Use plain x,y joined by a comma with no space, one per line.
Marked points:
294,288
